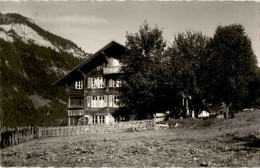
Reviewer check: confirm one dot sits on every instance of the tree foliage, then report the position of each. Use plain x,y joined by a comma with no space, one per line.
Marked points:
209,71
188,57
142,65
233,65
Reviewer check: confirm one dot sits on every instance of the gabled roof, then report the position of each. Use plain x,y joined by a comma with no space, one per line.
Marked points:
77,71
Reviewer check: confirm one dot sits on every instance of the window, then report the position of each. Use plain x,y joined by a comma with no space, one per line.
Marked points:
113,101
97,82
94,101
95,119
97,101
93,84
98,119
79,84
102,119
117,83
114,83
116,101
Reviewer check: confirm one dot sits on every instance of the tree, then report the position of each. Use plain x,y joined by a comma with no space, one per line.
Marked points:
188,56
142,64
233,65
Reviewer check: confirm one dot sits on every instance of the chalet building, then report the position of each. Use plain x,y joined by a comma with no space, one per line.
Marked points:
93,87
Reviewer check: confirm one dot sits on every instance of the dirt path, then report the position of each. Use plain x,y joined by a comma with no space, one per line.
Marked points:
231,142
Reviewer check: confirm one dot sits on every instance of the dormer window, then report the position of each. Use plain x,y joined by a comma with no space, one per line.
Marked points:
79,84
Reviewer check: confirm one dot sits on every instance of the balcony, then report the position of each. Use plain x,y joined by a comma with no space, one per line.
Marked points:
75,106
76,93
112,70
75,112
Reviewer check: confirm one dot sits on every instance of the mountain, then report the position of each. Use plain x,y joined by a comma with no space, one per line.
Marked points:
15,26
31,59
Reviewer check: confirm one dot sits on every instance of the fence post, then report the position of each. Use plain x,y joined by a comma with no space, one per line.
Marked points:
154,120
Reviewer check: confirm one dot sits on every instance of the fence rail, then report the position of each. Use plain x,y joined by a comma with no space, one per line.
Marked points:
102,128
16,136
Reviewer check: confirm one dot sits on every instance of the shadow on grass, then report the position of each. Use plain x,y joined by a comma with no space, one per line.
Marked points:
251,141
254,144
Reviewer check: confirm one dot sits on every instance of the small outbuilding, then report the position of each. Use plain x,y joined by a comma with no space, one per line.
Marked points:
204,114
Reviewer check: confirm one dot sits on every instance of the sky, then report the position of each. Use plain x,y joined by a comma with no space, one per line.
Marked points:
93,24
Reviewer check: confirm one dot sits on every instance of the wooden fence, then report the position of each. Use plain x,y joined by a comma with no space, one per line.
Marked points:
101,128
14,136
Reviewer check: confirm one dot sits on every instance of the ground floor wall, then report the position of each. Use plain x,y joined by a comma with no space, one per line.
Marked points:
91,119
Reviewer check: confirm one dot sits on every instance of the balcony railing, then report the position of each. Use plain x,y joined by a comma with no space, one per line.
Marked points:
75,106
112,70
76,112
76,93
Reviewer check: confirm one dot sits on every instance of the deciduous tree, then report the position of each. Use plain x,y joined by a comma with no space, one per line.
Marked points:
188,56
142,63
233,65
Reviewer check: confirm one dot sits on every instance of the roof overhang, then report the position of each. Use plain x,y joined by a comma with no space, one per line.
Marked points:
113,49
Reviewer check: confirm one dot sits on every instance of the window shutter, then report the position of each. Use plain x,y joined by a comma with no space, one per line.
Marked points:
89,82
103,82
114,83
105,100
76,84
110,100
110,83
98,82
94,81
88,101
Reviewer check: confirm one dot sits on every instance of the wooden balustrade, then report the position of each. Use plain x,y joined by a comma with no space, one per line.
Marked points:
76,112
112,70
76,93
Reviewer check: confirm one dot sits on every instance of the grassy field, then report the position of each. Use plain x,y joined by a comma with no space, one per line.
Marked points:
213,142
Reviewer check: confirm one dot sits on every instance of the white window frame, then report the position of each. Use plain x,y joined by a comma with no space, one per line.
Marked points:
97,101
114,100
93,101
117,83
98,119
114,83
97,83
79,84
95,119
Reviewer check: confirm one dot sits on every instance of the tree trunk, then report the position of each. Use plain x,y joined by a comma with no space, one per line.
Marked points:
232,114
196,110
227,111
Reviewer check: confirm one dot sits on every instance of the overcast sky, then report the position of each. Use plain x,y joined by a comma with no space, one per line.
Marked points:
91,25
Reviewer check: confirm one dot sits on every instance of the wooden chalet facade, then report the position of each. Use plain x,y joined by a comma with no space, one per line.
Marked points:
93,87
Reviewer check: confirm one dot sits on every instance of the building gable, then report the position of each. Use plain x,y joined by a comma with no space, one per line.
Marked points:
108,54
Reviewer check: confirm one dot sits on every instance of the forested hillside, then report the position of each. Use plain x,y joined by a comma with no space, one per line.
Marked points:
29,63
